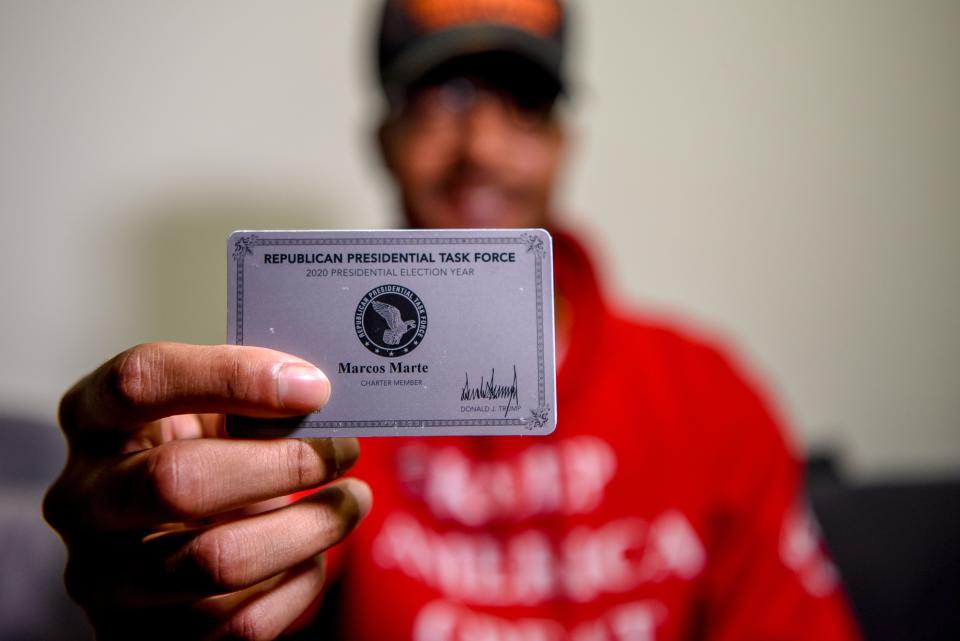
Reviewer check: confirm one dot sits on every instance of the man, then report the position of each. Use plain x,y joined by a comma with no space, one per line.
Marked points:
665,506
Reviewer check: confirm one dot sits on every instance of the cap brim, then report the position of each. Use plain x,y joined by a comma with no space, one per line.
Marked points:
438,48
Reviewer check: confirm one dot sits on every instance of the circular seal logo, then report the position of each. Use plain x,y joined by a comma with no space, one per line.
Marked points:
390,320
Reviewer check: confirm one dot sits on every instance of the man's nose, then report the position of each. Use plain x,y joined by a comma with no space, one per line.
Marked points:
486,132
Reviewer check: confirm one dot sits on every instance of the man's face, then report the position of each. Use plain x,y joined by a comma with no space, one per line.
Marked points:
468,149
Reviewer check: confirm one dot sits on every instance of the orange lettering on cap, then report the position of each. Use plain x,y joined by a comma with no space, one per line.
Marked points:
540,17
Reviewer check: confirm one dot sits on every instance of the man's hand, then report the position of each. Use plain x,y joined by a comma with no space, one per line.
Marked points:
156,512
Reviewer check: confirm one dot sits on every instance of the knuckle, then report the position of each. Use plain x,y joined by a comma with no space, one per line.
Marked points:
134,376
55,507
250,624
68,408
63,505
174,481
76,582
219,559
301,463
236,375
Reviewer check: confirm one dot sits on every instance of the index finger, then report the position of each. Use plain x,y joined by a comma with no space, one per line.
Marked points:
154,380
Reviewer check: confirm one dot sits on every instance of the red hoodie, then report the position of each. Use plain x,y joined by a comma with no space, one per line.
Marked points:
666,505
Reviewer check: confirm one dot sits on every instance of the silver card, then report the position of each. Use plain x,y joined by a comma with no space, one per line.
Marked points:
422,333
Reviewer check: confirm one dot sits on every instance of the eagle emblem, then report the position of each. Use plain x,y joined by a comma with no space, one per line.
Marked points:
403,313
396,326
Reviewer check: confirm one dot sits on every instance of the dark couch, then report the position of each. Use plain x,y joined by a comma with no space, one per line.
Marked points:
897,545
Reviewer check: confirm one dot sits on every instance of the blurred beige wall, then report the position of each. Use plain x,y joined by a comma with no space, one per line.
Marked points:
786,173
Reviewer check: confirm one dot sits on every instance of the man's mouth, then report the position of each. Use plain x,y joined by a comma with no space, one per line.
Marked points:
481,205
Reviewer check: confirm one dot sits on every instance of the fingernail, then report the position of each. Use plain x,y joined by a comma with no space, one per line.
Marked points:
346,451
361,494
302,386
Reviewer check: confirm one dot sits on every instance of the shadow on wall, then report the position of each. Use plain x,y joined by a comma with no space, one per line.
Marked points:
184,253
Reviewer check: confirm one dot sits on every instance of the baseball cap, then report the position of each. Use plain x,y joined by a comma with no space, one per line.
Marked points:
417,36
